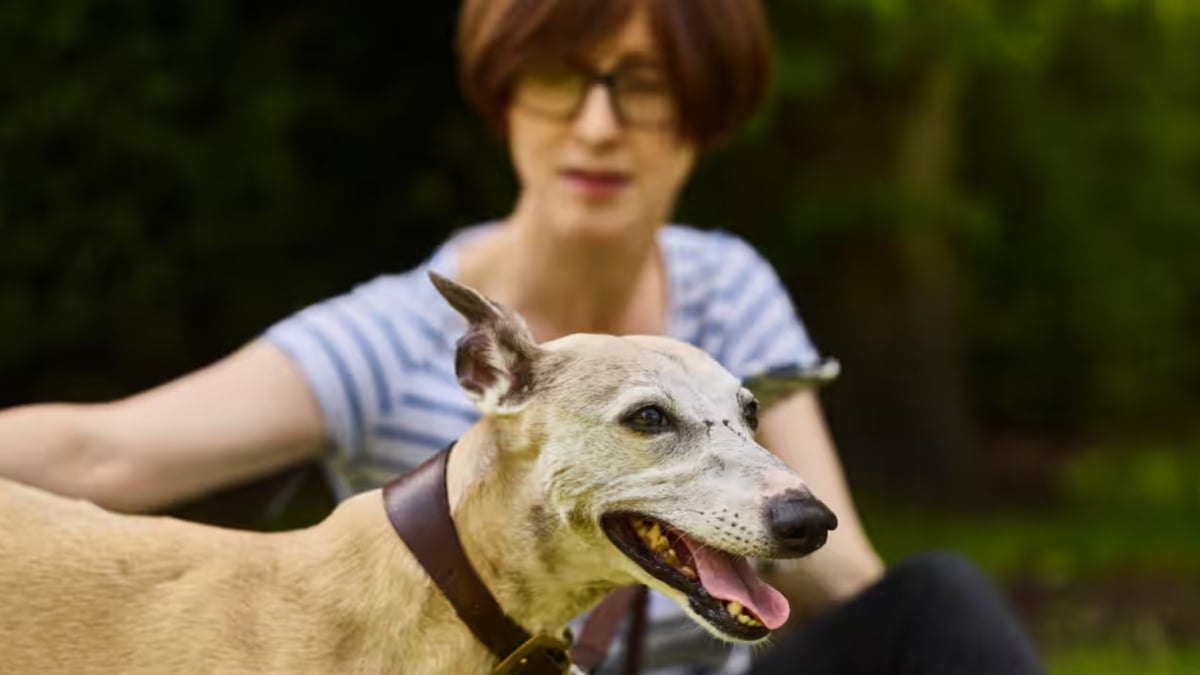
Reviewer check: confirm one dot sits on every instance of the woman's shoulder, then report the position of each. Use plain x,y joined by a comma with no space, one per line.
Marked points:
710,258
397,292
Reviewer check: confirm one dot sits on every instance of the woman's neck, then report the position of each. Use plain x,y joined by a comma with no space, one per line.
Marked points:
565,285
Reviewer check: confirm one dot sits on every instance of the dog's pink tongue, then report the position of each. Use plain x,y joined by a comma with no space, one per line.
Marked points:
732,578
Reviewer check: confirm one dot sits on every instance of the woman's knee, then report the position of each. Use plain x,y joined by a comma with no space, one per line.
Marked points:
947,600
945,582
932,570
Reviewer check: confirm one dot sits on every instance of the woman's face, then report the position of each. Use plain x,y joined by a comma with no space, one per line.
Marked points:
599,172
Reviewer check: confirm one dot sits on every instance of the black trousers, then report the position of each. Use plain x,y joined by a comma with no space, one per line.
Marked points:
931,614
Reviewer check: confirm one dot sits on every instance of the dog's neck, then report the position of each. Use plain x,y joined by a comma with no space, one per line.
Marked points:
537,568
542,572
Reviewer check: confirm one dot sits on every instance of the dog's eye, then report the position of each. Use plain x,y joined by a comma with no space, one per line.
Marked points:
650,419
750,412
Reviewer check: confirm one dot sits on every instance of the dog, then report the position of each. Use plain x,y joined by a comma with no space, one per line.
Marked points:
599,462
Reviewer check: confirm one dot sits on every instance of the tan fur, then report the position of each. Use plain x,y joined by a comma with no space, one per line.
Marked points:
86,591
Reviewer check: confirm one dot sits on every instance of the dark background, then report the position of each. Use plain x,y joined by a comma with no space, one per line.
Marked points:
988,210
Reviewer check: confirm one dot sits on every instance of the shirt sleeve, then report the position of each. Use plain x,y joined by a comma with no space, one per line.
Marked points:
761,329
350,352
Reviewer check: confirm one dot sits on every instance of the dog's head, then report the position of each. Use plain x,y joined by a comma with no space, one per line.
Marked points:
644,448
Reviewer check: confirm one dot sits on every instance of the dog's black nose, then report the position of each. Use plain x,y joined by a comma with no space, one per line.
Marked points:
799,521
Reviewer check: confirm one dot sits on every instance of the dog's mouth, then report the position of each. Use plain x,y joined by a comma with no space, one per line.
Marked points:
721,587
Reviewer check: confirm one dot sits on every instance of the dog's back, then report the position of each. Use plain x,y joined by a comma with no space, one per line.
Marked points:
75,575
84,590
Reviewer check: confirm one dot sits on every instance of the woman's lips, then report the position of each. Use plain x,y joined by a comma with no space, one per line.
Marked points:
595,184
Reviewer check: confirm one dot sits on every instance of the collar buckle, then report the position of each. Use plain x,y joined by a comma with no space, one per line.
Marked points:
541,654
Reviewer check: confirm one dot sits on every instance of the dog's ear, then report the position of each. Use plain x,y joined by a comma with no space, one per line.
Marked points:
494,359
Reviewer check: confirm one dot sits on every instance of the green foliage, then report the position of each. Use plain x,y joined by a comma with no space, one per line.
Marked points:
1069,202
1089,161
177,176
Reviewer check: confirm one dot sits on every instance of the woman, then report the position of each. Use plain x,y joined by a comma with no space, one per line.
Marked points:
604,105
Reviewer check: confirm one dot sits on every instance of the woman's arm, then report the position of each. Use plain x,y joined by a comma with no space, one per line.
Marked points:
242,417
794,429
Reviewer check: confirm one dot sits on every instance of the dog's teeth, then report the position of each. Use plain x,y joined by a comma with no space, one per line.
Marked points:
658,543
734,608
651,534
747,620
688,572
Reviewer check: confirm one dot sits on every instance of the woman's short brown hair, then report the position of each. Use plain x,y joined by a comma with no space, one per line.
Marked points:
717,53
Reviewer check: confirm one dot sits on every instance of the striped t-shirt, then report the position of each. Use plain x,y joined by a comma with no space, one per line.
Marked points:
380,359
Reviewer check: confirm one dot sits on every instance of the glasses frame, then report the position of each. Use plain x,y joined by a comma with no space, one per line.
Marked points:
607,79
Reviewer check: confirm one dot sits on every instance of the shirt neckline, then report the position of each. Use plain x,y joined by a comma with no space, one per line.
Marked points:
444,261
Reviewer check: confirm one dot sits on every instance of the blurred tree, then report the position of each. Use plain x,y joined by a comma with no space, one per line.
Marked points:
987,209
176,176
1088,154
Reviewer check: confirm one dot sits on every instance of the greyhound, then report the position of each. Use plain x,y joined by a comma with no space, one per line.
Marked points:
599,462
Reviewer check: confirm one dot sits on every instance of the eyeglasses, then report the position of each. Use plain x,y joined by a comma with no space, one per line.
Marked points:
639,94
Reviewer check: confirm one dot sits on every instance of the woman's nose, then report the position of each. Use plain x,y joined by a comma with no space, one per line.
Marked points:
597,121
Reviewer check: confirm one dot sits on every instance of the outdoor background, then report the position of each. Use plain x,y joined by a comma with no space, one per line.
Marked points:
989,210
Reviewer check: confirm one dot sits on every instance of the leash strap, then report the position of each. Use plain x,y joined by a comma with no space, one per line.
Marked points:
601,625
418,508
637,631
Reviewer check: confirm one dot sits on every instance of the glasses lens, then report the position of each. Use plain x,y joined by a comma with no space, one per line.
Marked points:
551,89
644,96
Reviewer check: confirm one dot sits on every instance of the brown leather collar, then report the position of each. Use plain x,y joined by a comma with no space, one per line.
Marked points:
418,507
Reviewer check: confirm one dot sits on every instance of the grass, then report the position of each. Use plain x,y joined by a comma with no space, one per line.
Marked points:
1052,546
1103,561
1123,658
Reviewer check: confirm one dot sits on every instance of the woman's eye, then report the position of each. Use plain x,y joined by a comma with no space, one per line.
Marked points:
649,418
